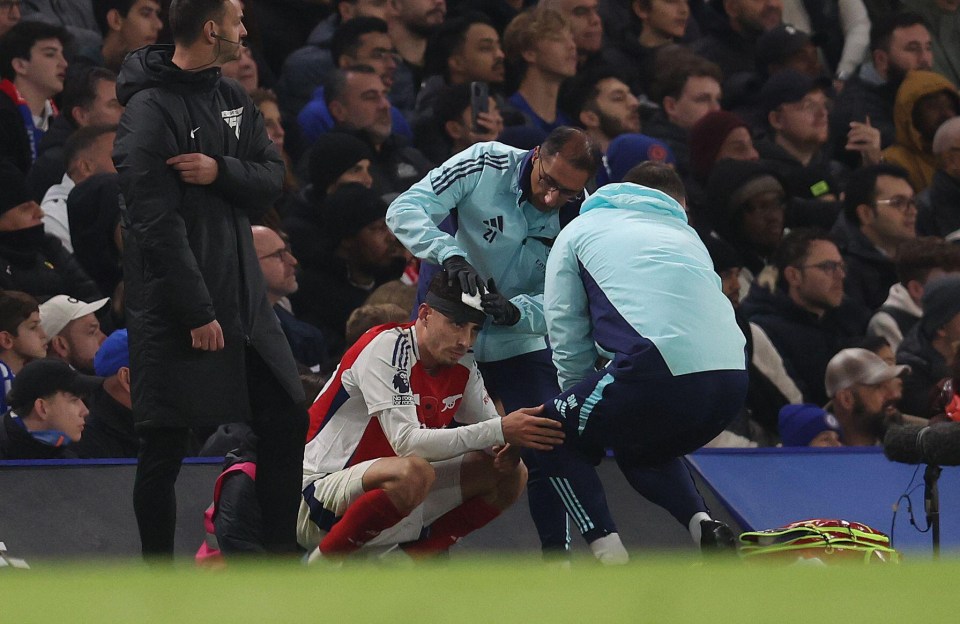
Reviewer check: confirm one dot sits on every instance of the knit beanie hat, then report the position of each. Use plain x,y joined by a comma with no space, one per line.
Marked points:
941,302
349,209
331,156
732,183
13,189
628,150
706,138
800,424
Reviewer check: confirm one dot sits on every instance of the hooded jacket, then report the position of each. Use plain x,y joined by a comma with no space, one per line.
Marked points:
188,250
896,317
630,276
909,150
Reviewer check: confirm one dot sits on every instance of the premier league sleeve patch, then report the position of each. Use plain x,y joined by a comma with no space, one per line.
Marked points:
401,383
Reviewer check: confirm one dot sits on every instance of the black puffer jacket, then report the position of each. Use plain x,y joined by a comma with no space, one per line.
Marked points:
37,263
188,250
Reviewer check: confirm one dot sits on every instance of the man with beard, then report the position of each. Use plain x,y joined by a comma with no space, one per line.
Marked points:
126,25
925,101
601,103
857,382
362,253
73,329
357,100
411,25
360,41
899,42
732,43
465,49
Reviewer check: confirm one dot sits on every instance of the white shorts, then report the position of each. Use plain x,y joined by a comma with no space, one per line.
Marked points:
337,491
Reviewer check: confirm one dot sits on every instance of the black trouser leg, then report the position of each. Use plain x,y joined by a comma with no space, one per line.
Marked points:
281,428
162,450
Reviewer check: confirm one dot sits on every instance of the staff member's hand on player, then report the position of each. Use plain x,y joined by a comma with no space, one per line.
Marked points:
525,428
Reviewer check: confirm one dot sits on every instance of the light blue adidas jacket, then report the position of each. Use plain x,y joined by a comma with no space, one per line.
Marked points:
628,272
473,206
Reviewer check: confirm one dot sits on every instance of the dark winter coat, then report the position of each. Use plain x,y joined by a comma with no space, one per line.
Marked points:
939,209
927,368
870,273
37,263
805,342
188,250
108,430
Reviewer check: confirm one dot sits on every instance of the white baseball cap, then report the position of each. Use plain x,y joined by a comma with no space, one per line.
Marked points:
57,313
858,366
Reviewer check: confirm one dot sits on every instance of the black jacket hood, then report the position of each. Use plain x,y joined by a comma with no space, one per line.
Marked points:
152,66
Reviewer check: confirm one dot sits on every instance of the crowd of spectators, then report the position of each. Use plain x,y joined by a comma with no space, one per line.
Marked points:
819,144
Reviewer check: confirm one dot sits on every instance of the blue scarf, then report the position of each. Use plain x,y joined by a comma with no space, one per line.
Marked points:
50,437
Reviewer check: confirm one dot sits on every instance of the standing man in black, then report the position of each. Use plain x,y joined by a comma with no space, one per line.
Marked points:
195,165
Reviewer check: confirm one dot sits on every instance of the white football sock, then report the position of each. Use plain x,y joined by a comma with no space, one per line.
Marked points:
609,550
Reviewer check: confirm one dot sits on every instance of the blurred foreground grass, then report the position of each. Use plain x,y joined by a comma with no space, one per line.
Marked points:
652,588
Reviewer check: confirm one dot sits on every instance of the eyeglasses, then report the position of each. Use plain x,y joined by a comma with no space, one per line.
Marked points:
551,185
278,254
831,267
7,5
899,203
812,106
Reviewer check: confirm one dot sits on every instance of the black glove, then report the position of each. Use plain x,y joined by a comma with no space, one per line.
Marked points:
459,270
499,307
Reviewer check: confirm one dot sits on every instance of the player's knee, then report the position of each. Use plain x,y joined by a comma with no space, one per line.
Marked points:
415,477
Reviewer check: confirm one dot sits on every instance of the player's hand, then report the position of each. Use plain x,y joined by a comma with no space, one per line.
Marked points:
499,307
459,271
506,459
524,428
865,139
207,337
195,168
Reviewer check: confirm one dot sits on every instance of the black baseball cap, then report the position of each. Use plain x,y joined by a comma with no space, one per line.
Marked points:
778,44
43,378
788,86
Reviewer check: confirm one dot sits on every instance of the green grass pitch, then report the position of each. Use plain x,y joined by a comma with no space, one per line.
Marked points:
652,588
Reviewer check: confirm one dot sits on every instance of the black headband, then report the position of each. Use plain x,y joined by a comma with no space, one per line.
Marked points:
457,311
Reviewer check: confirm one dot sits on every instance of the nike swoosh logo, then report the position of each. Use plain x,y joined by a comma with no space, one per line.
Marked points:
193,132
